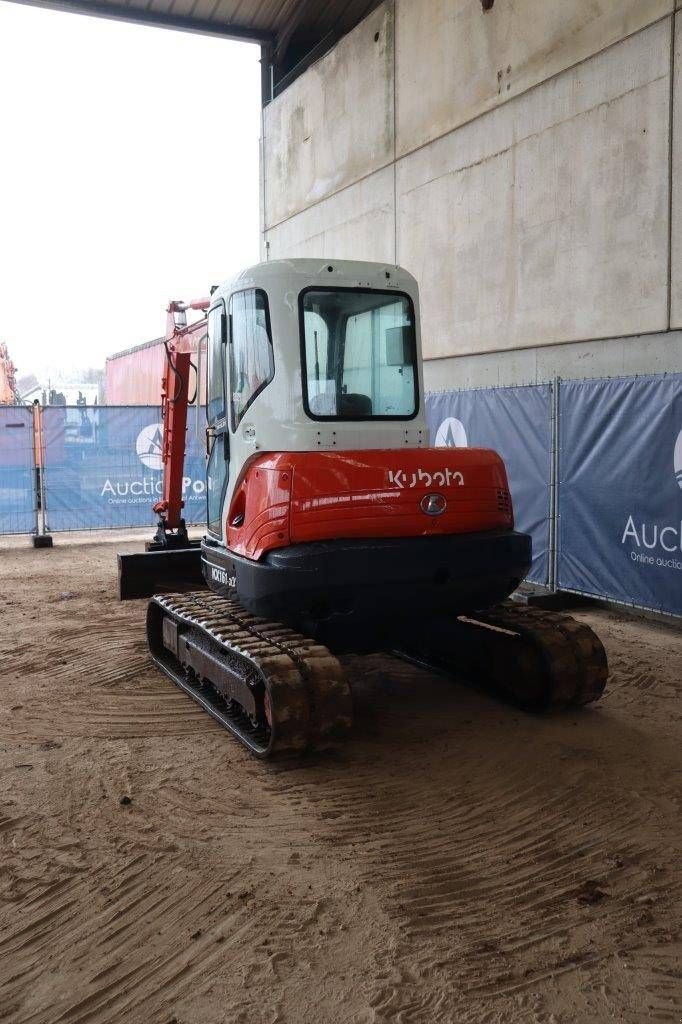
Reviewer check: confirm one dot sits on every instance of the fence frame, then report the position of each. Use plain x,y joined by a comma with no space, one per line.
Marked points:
33,472
548,585
632,605
554,515
47,528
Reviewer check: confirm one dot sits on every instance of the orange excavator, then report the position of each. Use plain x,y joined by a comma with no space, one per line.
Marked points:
8,384
332,525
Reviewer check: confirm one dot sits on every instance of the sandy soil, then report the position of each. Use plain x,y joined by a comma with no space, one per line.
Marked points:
455,862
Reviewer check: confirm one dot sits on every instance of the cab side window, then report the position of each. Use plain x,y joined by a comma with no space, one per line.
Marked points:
215,398
252,365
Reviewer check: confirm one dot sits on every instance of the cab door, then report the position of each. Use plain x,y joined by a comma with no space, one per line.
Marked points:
217,437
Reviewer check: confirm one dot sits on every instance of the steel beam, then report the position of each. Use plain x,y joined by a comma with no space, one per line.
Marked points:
156,19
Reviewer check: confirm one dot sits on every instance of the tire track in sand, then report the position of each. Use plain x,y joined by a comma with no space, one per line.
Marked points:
113,930
500,874
98,681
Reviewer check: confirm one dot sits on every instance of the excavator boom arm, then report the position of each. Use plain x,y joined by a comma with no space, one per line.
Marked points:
182,341
171,559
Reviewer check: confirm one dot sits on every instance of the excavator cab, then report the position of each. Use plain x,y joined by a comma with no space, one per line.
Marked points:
332,525
327,509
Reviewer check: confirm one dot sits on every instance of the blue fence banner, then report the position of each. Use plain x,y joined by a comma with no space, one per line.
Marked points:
17,470
103,467
517,423
620,490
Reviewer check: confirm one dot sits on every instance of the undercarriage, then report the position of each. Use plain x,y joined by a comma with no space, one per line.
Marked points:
281,693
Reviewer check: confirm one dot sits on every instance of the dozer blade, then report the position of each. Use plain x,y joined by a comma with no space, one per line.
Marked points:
145,573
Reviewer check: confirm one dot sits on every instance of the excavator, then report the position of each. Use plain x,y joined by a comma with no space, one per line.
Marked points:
332,525
8,385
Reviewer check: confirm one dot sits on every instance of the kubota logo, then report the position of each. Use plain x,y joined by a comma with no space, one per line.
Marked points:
678,459
451,434
148,446
433,504
420,478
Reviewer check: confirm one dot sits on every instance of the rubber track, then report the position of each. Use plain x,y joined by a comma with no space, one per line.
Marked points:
579,667
542,660
303,687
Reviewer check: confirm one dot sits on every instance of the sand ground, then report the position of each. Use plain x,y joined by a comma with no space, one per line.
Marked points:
456,861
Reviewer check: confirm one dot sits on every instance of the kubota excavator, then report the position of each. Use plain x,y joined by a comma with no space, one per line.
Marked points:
332,525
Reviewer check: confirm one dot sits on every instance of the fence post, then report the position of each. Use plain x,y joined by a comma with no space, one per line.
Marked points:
41,538
36,470
553,473
554,505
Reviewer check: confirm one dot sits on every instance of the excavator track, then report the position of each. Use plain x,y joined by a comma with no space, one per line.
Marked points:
277,691
540,660
281,693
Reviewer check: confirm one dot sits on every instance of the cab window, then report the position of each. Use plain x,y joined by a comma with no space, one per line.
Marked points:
215,398
252,365
359,354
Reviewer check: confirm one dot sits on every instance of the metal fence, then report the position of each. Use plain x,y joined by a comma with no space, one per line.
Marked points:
603,458
103,468
18,504
517,423
619,499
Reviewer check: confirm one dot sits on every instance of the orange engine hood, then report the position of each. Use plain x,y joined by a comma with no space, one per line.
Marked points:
294,497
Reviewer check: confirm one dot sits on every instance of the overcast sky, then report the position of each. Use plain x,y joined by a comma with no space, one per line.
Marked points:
128,176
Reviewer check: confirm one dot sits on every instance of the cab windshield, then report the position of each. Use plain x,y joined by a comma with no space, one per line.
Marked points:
359,354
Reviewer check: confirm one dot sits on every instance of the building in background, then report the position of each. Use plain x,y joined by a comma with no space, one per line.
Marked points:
59,392
521,159
63,387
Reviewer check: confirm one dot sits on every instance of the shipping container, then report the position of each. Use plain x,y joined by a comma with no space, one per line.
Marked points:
133,376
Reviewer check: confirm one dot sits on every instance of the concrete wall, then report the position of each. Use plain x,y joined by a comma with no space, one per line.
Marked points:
519,161
334,124
455,61
676,226
607,357
358,219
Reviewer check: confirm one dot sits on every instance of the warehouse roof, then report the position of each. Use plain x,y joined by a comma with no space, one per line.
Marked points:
293,31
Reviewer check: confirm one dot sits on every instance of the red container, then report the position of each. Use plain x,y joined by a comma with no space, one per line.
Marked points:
133,377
